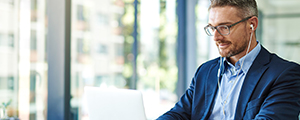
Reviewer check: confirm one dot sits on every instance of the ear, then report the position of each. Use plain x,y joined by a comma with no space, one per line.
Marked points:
254,22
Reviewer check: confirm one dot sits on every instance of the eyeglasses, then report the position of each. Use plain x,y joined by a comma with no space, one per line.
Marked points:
222,29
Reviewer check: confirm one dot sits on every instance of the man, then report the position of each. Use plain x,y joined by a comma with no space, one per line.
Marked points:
247,81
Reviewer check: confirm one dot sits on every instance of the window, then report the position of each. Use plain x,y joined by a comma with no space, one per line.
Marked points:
23,74
105,29
103,47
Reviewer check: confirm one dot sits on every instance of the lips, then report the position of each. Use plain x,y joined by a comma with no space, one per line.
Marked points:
224,45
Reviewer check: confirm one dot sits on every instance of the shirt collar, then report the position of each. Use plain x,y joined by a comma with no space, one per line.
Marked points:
250,57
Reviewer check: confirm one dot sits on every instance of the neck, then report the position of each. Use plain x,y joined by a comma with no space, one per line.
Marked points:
234,59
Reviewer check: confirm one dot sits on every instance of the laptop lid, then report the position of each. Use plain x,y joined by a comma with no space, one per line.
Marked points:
114,104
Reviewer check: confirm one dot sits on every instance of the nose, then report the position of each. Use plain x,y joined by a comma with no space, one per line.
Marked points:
217,36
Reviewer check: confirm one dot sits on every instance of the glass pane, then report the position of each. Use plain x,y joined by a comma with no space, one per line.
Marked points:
38,61
279,23
102,45
23,74
156,62
9,52
206,48
101,48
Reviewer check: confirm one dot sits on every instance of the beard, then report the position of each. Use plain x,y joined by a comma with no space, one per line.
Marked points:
234,49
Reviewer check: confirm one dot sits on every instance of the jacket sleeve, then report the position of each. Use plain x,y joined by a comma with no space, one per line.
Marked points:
182,109
283,100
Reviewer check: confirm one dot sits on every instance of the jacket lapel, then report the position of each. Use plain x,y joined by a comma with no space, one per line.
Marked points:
252,78
211,88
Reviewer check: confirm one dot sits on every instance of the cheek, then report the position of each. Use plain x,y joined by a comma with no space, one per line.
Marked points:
236,40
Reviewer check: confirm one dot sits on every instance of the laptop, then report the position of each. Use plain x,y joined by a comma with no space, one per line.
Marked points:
114,104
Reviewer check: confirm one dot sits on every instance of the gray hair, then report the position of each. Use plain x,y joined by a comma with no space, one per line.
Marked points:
247,7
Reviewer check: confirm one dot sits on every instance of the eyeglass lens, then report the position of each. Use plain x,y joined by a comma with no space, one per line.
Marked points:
222,29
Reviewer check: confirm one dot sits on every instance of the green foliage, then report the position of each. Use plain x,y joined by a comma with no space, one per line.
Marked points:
6,104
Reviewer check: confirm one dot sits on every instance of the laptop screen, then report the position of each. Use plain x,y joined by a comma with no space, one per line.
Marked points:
114,104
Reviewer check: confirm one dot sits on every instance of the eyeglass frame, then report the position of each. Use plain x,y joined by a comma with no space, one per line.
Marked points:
228,26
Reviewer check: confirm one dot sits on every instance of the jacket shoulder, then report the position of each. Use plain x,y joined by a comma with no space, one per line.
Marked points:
211,62
207,65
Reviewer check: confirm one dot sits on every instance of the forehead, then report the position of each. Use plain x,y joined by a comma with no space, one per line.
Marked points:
223,15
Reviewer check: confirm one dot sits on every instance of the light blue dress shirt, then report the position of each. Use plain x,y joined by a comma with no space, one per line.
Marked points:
230,88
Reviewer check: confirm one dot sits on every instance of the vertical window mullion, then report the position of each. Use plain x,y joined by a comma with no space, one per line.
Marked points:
58,45
135,47
181,46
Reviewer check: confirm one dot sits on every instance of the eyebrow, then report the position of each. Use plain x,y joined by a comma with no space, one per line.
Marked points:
224,23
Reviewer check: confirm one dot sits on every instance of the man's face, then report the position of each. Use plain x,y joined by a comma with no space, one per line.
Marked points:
236,42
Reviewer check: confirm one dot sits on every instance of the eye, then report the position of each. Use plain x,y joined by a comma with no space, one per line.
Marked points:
223,28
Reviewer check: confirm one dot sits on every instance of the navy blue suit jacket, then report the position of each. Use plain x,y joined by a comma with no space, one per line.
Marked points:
271,90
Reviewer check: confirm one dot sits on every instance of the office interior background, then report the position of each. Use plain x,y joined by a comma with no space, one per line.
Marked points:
51,49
